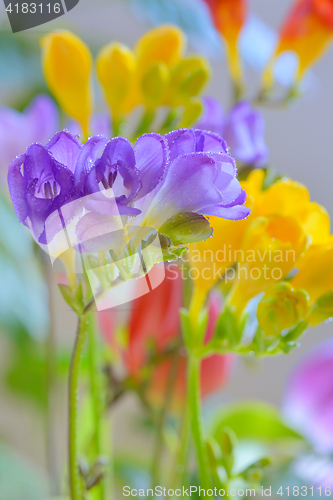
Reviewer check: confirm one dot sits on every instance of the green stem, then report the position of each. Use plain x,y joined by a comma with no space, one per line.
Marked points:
181,457
74,473
95,388
161,420
194,405
50,383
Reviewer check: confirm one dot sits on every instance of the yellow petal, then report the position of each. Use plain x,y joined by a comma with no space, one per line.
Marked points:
67,65
284,197
166,43
270,249
315,273
115,70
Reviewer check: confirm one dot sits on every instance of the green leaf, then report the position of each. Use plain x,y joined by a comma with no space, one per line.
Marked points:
26,375
254,420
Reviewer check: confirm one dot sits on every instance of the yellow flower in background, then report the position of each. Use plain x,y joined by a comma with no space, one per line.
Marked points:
67,65
160,73
115,70
307,31
315,274
281,307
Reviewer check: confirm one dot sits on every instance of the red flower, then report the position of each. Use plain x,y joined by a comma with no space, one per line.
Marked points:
153,327
229,17
307,31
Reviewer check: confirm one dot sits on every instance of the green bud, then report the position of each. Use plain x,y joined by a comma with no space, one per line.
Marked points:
228,441
74,297
281,308
188,79
154,83
322,310
186,228
192,112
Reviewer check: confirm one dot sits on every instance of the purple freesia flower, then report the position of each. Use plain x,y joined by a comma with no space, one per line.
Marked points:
243,130
37,123
308,402
157,178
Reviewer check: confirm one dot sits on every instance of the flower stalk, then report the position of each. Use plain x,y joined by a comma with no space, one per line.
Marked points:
76,487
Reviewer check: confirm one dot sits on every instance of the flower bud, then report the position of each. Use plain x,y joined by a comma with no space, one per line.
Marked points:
188,79
115,69
186,228
154,83
166,43
281,308
322,310
67,65
192,112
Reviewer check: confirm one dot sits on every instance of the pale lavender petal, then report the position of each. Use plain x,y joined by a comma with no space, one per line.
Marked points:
236,212
244,133
213,117
42,119
308,401
151,158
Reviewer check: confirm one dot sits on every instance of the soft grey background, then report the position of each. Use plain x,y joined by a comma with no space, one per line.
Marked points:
300,141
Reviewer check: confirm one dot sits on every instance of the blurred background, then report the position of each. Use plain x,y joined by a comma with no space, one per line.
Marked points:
300,142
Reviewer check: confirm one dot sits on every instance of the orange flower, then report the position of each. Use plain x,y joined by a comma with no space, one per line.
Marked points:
229,17
307,31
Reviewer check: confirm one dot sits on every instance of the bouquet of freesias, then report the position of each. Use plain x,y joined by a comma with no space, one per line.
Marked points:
178,249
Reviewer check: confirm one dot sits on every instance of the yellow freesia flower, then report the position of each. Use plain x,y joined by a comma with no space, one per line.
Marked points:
67,65
115,70
160,73
270,248
265,247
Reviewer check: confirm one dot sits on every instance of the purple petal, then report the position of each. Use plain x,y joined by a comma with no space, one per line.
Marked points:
91,151
308,401
244,133
16,187
42,119
208,142
181,142
212,118
65,148
188,187
151,156
236,212
116,169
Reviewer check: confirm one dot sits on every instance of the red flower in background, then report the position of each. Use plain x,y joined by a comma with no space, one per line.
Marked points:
229,17
154,326
307,31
